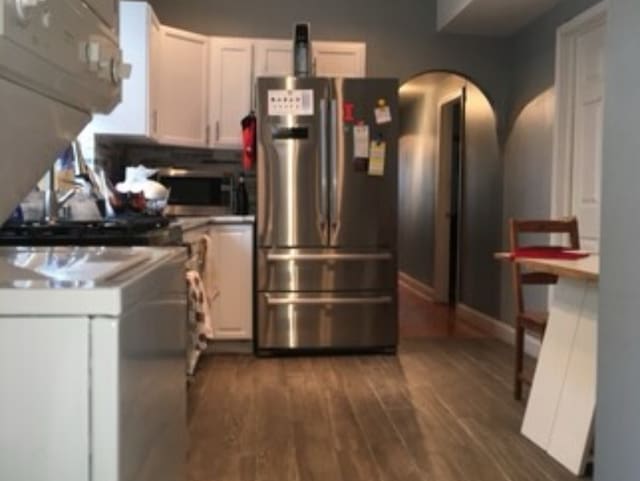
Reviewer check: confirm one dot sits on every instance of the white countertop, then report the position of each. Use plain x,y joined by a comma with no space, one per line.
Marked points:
587,268
76,280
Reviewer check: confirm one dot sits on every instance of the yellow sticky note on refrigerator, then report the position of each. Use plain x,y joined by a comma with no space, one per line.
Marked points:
377,154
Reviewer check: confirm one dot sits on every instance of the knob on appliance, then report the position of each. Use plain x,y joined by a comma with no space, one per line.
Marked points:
119,69
24,9
93,52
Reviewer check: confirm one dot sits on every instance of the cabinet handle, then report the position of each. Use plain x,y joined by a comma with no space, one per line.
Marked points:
207,134
217,130
252,97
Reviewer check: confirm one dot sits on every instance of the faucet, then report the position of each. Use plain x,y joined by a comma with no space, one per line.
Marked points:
53,203
84,177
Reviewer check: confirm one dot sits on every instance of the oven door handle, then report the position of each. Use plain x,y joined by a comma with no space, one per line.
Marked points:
314,301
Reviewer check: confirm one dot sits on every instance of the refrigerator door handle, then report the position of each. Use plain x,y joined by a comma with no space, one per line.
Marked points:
324,165
381,256
314,301
334,165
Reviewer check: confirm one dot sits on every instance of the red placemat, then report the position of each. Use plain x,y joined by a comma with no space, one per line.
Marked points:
548,252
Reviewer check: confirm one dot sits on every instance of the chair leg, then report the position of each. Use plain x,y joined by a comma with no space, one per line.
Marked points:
519,362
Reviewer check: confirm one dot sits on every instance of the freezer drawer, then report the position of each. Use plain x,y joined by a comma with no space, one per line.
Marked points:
325,270
327,321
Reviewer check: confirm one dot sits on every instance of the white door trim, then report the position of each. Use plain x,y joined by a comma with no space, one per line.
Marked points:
441,292
565,104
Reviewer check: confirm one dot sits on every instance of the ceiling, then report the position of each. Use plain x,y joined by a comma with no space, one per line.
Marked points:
495,18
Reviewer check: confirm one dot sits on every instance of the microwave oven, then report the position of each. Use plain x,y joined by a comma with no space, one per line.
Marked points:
199,191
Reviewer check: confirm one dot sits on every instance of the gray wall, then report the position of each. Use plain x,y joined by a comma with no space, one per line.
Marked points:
419,99
481,207
400,35
416,172
534,50
529,140
618,421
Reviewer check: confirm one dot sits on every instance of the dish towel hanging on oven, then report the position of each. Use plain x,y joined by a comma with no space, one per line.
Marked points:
199,321
209,275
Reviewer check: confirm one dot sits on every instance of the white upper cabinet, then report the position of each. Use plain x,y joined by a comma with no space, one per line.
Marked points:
339,59
191,90
330,59
273,58
137,114
183,88
230,89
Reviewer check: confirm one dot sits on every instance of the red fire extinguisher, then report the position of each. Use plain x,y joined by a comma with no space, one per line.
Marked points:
249,141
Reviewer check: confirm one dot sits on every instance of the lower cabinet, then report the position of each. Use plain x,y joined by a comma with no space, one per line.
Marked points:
232,309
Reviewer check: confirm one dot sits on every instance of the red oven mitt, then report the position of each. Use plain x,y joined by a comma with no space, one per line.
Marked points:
249,141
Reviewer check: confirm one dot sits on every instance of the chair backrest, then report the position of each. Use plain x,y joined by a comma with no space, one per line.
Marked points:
517,228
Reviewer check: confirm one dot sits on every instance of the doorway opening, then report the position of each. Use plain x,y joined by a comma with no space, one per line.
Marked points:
451,134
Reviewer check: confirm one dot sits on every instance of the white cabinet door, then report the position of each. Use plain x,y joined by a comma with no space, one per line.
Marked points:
230,89
232,314
44,367
273,58
331,59
339,59
136,115
154,66
586,163
184,83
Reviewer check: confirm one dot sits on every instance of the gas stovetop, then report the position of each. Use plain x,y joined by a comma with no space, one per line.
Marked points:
125,231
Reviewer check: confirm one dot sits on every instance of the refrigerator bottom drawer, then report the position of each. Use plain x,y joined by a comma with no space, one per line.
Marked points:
326,270
323,321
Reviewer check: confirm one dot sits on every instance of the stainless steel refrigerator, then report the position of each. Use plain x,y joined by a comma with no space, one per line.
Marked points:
327,214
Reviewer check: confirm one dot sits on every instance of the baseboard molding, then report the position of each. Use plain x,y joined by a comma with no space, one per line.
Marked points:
500,330
417,287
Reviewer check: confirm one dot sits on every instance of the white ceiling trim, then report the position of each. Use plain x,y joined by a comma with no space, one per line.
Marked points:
495,18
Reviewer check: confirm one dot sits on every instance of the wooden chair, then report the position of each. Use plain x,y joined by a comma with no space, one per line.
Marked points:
526,319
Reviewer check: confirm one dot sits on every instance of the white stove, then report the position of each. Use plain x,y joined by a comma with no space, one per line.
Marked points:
92,359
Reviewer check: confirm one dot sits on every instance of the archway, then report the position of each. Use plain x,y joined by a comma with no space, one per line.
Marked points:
450,206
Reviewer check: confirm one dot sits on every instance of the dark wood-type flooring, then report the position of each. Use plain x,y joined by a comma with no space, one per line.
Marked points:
440,410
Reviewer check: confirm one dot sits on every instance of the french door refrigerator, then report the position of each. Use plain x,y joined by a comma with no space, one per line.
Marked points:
327,214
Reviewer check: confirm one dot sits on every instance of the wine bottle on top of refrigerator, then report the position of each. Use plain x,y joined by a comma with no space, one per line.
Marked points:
301,50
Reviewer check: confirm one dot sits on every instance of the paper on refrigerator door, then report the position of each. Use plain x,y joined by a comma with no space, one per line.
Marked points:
383,115
361,141
290,102
377,154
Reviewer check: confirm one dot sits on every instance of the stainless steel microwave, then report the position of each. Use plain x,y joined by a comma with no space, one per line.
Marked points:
198,191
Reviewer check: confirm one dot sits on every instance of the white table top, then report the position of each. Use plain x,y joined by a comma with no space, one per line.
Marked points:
587,268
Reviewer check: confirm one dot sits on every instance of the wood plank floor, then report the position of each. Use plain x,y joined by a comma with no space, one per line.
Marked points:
440,410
